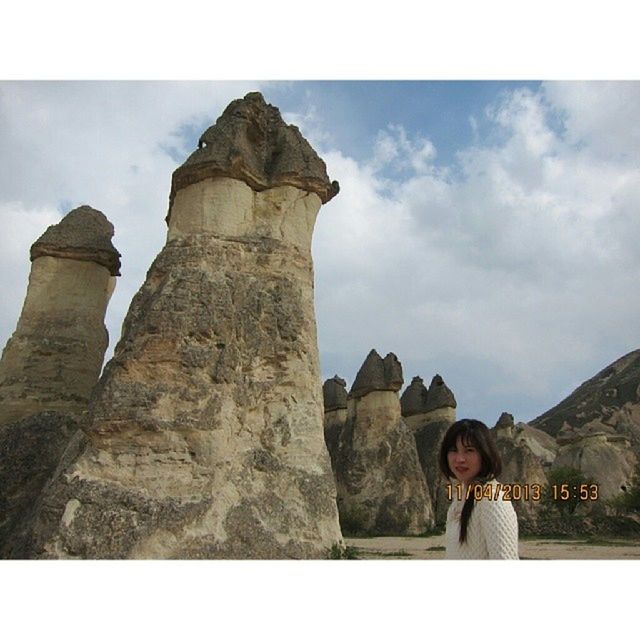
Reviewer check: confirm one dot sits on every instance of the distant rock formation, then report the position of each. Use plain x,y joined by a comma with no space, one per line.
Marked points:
205,438
421,406
429,413
335,412
53,359
601,454
540,443
377,374
381,488
521,466
428,437
414,399
597,427
611,397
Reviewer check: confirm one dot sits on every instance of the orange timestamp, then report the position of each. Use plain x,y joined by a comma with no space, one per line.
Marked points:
497,491
517,491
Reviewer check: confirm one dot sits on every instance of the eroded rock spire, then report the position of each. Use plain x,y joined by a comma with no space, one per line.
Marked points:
53,359
206,437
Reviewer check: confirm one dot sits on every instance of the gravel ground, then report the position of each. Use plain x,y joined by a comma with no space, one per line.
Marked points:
432,548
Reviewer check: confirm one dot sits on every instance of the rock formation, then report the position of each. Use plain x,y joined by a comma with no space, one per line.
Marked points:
53,359
597,427
601,454
540,443
429,413
521,465
381,488
52,362
206,432
413,402
428,437
421,406
377,374
335,412
611,397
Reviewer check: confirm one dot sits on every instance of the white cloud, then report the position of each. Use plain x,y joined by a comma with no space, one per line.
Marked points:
524,266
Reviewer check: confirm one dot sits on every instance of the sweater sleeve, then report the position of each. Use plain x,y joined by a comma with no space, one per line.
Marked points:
499,525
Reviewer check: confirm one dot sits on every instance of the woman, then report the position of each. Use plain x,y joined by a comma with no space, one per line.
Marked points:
480,524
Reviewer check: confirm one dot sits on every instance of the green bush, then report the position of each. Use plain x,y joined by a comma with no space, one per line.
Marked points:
338,552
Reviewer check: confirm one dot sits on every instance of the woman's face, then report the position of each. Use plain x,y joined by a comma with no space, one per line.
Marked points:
464,461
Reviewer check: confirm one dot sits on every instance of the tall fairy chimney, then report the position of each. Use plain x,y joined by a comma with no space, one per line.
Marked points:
53,359
206,438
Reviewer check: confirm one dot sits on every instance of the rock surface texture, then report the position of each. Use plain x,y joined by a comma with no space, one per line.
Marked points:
30,452
53,359
381,487
206,433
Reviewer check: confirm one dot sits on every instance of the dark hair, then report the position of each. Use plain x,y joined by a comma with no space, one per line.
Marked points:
477,434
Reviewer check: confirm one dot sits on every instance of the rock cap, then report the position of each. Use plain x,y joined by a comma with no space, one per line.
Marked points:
377,374
335,393
83,234
505,421
414,399
251,142
439,395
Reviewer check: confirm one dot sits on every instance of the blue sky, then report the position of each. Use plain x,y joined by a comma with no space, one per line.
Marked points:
485,231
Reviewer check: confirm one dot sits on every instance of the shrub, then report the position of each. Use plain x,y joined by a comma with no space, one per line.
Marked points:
338,552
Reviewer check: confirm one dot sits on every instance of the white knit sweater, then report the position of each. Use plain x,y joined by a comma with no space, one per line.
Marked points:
492,531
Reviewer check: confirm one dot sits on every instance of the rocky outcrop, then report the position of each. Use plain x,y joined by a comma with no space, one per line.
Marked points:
53,359
334,392
381,488
610,398
205,438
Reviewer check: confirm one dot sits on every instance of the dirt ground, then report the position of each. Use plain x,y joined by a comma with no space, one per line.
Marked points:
432,548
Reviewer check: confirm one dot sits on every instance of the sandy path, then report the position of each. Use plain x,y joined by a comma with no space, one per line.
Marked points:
398,548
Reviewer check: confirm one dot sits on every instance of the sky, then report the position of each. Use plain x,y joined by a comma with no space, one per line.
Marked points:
486,231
